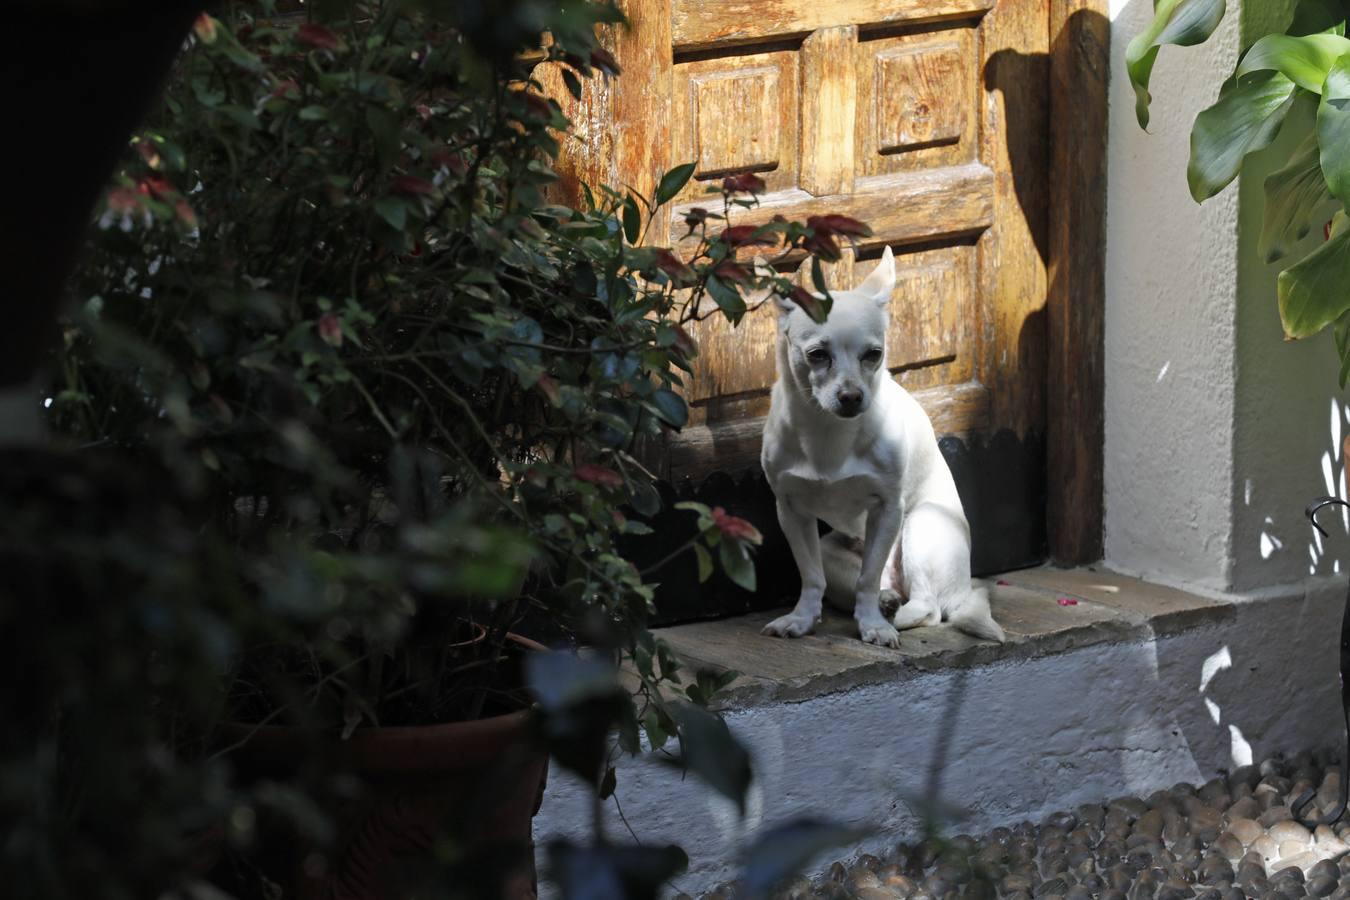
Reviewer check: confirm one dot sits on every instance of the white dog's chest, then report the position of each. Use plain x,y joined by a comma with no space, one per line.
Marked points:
842,503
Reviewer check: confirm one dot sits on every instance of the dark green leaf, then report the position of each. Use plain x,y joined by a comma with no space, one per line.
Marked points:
1313,16
387,132
606,872
1312,292
708,750
1333,129
393,210
737,564
1342,334
632,220
1182,23
671,407
645,498
573,83
785,850
1303,60
727,298
673,181
580,700
1244,120
1292,193
705,563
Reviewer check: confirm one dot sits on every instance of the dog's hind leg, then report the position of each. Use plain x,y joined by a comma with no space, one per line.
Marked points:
841,556
920,610
972,616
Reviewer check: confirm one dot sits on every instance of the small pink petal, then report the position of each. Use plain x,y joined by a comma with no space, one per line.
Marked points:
1001,583
1067,601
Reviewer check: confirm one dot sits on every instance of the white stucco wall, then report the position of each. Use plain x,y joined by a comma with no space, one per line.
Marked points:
1170,336
1031,737
1218,432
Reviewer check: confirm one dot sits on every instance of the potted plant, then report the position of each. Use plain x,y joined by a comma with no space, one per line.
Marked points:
327,294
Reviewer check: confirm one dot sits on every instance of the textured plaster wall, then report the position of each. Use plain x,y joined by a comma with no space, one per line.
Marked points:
1170,324
1031,737
1290,415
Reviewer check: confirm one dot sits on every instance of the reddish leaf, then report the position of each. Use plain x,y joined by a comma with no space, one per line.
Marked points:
205,28
1067,601
686,345
835,224
318,36
601,476
735,527
123,201
619,518
603,60
451,162
548,386
808,301
423,111
156,187
287,88
148,153
743,235
670,264
1001,583
536,106
411,185
185,213
733,272
822,245
745,183
330,330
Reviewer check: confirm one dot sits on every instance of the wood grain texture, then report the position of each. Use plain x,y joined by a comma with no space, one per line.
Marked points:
921,111
699,24
917,206
736,114
621,126
733,445
829,101
1014,136
1079,68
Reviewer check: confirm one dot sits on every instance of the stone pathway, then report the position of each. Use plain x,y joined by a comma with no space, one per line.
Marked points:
1229,839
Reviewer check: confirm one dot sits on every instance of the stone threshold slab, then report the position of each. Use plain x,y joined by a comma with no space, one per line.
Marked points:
1104,607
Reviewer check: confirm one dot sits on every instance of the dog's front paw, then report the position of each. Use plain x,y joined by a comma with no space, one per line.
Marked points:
880,633
790,626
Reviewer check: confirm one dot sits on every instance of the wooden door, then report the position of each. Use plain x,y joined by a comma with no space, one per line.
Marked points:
927,119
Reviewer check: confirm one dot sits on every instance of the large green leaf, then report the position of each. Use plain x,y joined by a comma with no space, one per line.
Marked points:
1303,60
1182,23
1333,129
1342,333
1244,120
1292,194
1312,16
1315,291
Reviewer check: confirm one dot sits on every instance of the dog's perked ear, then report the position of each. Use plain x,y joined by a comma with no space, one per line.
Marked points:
881,283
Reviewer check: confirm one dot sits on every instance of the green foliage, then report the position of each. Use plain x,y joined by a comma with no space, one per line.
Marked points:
1308,63
392,391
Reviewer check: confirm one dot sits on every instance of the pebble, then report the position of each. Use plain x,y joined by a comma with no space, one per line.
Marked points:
1321,886
1229,846
1275,815
1245,830
1246,808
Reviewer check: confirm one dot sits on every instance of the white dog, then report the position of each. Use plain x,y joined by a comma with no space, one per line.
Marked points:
846,445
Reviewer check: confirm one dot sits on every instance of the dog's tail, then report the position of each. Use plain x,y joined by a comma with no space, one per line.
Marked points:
972,616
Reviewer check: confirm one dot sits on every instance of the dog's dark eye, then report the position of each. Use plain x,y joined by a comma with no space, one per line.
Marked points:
818,355
872,356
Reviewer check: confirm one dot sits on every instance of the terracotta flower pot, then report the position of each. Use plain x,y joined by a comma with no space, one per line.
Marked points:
472,786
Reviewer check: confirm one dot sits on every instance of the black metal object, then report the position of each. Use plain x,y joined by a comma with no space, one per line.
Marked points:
1001,480
1306,797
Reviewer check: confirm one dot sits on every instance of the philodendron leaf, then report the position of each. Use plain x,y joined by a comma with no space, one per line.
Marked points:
1182,23
606,872
1293,193
709,750
1333,129
1313,292
1244,120
1313,16
1342,333
1303,60
785,850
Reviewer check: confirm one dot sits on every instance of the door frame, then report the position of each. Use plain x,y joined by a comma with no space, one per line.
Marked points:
1079,33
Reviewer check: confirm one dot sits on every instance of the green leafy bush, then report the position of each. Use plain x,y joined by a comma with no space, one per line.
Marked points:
390,387
1306,64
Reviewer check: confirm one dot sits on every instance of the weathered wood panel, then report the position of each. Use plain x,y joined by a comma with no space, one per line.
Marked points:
1079,68
700,24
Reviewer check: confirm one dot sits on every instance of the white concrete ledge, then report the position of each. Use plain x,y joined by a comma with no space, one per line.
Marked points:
1142,688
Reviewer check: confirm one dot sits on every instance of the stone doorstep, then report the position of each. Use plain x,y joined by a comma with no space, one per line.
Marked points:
1110,608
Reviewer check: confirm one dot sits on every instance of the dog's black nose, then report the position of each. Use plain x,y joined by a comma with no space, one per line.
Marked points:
850,402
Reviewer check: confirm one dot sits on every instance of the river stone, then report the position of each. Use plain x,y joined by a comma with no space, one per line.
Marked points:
873,893
1064,821
1245,830
1327,843
837,872
1055,886
1078,892
1229,846
1150,823
1233,893
861,876
1247,870
1246,808
1288,868
1209,894
1290,831
1012,883
1131,806
902,885
1206,823
1325,868
1274,815
1248,775
1267,847
1119,877
1173,890
1091,814
1214,869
